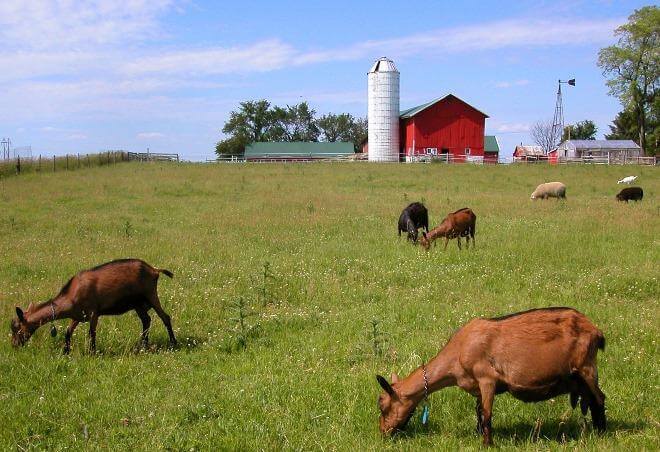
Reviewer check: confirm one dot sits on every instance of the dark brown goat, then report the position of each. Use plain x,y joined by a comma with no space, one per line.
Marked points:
461,223
534,355
109,289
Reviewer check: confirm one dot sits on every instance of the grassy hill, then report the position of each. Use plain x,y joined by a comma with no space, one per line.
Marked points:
310,256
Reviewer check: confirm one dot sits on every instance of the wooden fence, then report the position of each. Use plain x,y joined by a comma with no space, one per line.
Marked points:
152,157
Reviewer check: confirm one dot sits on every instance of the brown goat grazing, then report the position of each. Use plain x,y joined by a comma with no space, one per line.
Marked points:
109,289
534,355
461,223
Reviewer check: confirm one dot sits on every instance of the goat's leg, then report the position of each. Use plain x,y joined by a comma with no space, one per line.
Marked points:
67,337
146,323
93,321
155,303
597,399
446,241
458,241
480,427
487,394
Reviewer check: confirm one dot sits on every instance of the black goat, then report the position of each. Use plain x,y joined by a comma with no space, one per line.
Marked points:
413,217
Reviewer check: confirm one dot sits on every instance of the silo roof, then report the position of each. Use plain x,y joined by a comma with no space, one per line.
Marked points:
383,64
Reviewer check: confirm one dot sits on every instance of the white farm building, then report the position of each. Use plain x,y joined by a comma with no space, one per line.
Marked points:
613,150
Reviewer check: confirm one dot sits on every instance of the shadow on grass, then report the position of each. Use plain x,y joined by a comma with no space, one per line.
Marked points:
559,431
525,432
156,346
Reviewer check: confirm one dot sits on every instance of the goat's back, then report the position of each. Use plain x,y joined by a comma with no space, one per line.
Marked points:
462,218
630,194
114,280
531,346
417,213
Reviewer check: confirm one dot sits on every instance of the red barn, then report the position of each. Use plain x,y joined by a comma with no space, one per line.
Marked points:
447,126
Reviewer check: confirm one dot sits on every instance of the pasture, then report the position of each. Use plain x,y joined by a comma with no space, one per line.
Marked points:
292,291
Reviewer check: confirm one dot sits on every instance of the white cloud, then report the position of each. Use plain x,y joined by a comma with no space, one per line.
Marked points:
77,136
511,84
259,57
149,135
486,36
47,24
517,127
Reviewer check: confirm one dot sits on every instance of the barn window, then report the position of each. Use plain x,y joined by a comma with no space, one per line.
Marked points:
432,151
444,151
467,151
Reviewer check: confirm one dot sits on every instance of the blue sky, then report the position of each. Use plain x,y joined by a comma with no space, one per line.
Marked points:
81,76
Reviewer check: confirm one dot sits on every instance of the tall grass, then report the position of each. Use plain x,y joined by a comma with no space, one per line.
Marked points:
345,299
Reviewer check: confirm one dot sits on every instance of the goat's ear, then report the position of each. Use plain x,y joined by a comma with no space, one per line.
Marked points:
394,378
30,307
385,385
19,313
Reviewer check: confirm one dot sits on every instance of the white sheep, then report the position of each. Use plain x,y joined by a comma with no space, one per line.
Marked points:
550,190
627,180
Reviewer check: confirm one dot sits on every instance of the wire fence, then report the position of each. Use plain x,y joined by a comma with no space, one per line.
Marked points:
69,162
441,159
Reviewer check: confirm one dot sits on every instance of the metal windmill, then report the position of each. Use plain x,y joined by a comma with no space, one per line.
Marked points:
558,121
6,147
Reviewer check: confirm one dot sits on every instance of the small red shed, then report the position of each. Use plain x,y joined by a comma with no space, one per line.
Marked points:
447,126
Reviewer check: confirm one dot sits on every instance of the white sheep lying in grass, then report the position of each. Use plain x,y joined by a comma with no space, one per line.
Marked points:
627,180
550,190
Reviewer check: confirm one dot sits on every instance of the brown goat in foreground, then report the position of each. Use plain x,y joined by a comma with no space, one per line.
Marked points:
534,355
109,289
461,223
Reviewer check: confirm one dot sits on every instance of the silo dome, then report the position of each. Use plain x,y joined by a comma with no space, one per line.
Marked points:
383,117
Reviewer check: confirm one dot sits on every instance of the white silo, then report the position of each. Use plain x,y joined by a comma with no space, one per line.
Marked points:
383,111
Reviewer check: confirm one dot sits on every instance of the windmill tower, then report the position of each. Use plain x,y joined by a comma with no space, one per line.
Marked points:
558,120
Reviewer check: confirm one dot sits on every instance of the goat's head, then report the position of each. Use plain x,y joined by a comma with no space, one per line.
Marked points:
395,409
412,230
425,241
21,329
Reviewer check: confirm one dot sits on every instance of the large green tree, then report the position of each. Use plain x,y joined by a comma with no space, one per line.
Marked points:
633,70
343,127
582,130
259,121
252,122
294,123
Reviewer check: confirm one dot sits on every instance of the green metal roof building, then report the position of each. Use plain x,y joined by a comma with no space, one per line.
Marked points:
297,151
491,148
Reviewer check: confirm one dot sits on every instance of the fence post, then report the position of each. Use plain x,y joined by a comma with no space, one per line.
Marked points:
78,161
39,162
53,163
18,165
67,162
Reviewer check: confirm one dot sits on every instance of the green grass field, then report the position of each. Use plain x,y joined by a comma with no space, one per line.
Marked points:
344,298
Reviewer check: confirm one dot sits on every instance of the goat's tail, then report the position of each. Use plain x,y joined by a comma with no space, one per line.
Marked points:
165,272
601,342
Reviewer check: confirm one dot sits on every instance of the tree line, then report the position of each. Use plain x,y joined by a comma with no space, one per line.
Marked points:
256,121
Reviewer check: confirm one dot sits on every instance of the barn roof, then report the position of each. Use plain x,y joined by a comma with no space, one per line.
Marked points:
297,149
523,150
599,144
491,144
409,113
